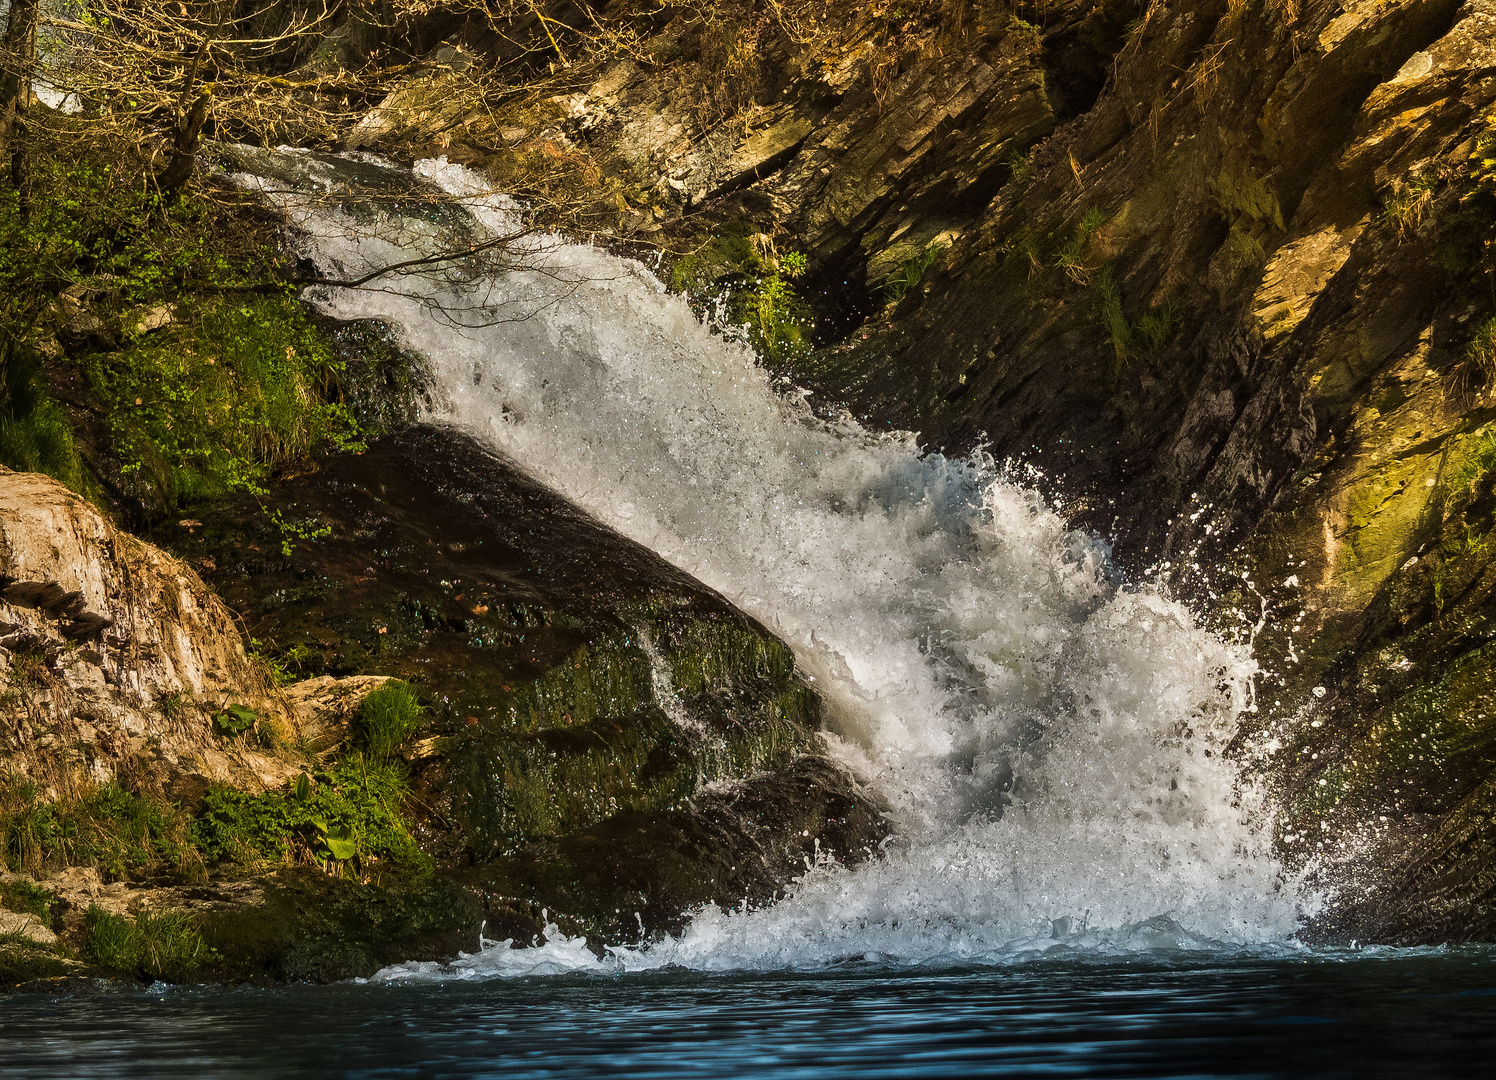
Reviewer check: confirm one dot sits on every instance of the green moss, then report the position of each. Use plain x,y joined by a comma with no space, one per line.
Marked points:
705,654
1417,735
23,960
591,738
154,945
388,716
608,678
1241,193
1251,209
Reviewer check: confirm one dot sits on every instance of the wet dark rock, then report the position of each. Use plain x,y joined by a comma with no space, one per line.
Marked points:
603,734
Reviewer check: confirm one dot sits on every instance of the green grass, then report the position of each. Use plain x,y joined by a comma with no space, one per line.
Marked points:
389,715
152,945
1481,352
239,385
35,435
104,826
910,273
1144,336
1072,256
28,898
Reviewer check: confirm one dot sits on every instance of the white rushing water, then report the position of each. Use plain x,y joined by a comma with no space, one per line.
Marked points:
965,639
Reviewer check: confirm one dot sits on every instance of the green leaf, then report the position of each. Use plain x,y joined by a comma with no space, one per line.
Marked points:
235,719
341,843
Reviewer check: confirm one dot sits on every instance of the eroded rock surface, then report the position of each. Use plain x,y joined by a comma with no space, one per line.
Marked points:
115,654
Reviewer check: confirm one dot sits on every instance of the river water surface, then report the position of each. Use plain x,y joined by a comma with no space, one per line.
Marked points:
1409,1013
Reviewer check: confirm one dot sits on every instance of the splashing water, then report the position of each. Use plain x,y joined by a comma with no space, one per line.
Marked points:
1050,742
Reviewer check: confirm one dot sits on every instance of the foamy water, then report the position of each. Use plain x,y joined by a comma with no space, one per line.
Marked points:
1051,743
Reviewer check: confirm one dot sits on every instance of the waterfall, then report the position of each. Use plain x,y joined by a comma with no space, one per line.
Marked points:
1050,741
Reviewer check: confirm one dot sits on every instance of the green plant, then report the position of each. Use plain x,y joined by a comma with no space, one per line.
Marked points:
1410,200
1478,462
291,531
1481,352
153,945
35,435
28,898
910,272
1020,168
104,826
29,667
350,811
219,402
1483,161
1071,257
235,720
1149,333
388,716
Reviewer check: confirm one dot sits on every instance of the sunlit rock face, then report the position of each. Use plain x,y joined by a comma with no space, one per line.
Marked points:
115,654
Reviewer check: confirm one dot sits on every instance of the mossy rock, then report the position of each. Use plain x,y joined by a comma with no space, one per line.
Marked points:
568,677
301,925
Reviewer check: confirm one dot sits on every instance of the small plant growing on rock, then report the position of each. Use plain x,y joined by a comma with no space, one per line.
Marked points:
1410,201
30,668
911,272
27,898
235,720
1149,333
1481,352
388,716
1072,255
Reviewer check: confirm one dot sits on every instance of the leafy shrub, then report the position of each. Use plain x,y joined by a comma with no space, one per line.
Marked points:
154,944
388,716
218,404
351,812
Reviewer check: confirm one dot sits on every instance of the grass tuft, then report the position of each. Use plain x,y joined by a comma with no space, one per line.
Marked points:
389,715
164,945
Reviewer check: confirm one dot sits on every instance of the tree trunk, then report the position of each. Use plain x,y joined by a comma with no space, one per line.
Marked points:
17,61
183,160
